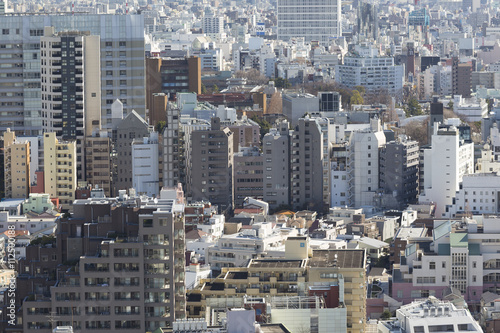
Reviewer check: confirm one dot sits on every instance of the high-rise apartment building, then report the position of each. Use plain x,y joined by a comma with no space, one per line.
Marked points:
212,165
133,280
174,159
212,24
363,164
276,159
16,165
306,172
121,59
444,165
398,175
70,104
59,169
315,21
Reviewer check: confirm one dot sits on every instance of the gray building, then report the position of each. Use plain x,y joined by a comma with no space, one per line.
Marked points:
398,178
174,162
122,64
276,159
296,105
248,174
133,282
130,128
490,80
212,166
307,158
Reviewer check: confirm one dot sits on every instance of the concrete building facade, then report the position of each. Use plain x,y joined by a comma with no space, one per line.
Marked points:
59,169
212,165
16,166
276,161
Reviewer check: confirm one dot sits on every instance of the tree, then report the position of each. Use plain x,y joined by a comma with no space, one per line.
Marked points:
450,104
282,83
264,125
203,89
413,108
160,126
417,130
386,315
361,90
215,89
356,98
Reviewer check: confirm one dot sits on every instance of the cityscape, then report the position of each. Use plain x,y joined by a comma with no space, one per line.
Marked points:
235,166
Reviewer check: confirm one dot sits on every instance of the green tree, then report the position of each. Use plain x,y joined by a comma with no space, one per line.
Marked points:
160,126
215,89
450,104
356,98
413,108
281,83
203,89
264,125
361,90
386,315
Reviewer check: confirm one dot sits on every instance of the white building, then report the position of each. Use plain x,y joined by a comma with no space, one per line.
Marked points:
430,315
445,164
145,174
373,73
314,20
211,24
478,193
470,108
237,249
363,164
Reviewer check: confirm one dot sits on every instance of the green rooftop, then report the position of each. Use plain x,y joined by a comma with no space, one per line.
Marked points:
459,240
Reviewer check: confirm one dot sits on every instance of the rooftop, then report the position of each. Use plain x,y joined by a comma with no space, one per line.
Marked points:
338,258
276,264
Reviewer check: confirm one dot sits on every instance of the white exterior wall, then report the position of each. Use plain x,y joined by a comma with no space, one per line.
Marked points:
445,164
299,320
145,178
339,188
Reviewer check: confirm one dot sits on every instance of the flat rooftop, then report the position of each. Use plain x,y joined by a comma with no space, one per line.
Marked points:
276,264
338,258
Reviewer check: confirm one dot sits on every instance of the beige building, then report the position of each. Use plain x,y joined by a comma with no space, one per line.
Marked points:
59,166
16,166
338,274
98,162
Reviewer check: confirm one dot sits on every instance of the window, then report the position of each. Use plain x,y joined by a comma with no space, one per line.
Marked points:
432,265
443,264
474,264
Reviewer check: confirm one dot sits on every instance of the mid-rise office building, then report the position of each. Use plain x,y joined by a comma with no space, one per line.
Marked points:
373,73
461,74
171,76
318,21
16,165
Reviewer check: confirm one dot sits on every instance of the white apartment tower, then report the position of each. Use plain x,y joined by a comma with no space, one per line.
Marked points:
445,164
363,164
212,24
316,20
145,174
